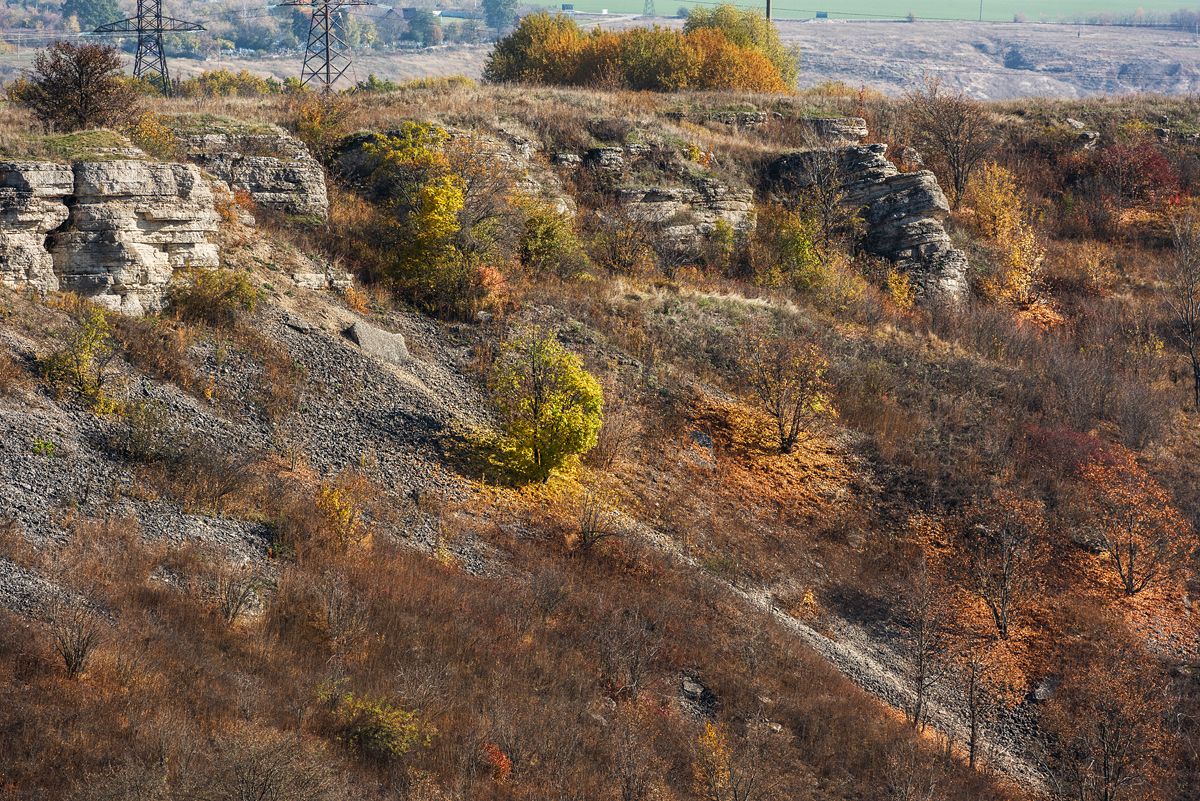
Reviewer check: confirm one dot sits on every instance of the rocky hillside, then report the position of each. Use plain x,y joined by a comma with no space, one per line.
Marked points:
264,534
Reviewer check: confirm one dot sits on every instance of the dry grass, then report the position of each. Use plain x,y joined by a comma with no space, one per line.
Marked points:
13,376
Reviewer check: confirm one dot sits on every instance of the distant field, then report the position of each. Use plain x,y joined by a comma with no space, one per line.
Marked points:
994,10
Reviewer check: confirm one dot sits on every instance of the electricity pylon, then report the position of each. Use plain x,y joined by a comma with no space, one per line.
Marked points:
150,63
648,8
326,54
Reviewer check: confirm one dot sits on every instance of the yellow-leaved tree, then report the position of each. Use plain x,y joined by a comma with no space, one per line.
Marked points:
1002,217
551,407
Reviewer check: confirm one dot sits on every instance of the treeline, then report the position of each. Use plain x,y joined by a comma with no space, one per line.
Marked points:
722,49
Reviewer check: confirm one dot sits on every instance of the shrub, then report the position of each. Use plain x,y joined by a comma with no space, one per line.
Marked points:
784,250
996,200
549,244
76,633
320,121
216,297
226,83
148,434
12,376
81,363
151,135
550,405
787,375
1000,215
77,86
440,242
378,729
342,502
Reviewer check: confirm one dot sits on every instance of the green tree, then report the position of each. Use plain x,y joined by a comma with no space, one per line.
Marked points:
424,28
499,13
92,13
551,407
751,30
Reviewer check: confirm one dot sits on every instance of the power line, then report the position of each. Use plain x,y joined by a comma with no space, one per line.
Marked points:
150,63
326,54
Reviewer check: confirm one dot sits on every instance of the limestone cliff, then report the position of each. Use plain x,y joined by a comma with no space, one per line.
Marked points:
114,231
275,168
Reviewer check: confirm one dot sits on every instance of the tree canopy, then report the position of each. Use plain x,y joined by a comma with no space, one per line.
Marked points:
551,49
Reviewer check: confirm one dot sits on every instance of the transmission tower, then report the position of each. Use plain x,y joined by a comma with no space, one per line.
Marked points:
150,63
648,8
326,54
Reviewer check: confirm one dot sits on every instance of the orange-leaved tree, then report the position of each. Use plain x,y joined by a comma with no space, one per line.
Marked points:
1145,537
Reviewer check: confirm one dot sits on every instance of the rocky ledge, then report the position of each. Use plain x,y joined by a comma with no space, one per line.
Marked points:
114,231
274,167
902,212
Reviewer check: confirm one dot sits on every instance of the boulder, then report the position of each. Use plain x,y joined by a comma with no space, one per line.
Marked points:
696,697
379,343
903,212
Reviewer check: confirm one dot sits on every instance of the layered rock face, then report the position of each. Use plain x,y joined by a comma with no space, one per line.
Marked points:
275,168
903,212
31,206
684,203
114,231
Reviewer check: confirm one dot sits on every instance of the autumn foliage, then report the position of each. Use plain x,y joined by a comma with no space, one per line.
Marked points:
553,50
1141,532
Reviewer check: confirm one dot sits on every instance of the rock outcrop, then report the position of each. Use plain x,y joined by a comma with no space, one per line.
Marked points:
685,202
114,231
684,215
31,206
823,131
836,131
509,155
274,167
902,212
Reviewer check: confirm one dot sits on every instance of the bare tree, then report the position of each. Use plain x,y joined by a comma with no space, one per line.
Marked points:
76,632
824,198
1002,540
633,765
925,624
910,776
953,131
728,768
788,376
629,645
263,765
344,614
1185,292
